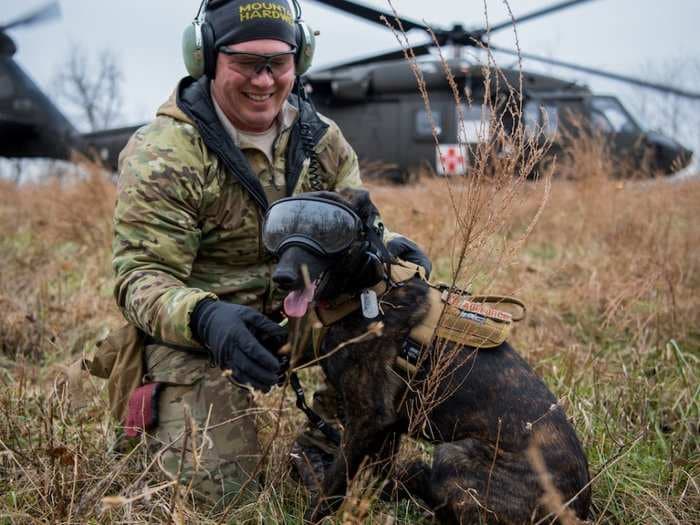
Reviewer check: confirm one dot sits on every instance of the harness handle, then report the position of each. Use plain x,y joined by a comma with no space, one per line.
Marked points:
502,299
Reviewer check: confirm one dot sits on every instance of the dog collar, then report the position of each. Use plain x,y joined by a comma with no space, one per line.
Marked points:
330,312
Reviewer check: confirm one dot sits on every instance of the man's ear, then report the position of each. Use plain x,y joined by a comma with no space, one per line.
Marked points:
360,202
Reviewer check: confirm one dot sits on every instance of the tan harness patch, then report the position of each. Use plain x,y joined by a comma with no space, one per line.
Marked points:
455,317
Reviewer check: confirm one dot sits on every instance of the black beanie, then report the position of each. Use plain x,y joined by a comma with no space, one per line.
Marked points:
242,20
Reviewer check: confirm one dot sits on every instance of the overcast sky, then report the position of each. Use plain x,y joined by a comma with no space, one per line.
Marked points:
624,36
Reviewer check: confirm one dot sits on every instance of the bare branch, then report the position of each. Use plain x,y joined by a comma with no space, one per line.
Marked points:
92,89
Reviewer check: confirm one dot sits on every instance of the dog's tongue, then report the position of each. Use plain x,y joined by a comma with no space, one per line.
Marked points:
297,302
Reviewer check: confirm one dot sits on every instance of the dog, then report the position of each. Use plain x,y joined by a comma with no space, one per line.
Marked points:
492,407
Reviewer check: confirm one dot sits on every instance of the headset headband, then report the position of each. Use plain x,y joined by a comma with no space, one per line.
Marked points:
198,42
199,20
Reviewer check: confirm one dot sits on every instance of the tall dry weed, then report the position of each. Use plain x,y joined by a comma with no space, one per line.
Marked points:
479,239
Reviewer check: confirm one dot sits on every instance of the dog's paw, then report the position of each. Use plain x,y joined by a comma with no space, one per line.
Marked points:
309,464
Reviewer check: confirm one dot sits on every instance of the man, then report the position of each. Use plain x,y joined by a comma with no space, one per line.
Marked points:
190,270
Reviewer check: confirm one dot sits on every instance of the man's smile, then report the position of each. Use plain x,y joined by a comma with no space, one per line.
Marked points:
258,97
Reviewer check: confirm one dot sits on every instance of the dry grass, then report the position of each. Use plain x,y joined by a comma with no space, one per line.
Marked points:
54,254
609,268
611,275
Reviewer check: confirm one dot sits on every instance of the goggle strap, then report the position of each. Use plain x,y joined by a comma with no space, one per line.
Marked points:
320,200
375,234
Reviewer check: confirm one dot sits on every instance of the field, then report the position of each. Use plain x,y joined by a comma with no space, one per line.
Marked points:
610,273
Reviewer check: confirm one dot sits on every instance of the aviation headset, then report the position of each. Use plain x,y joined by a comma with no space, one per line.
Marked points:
199,52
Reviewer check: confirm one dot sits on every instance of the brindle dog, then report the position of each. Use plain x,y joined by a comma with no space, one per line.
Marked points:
495,407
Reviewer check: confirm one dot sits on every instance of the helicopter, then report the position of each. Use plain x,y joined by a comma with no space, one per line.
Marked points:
31,126
376,97
371,98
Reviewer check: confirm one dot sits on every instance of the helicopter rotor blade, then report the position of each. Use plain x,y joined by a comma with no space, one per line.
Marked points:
535,14
43,14
423,49
601,73
370,14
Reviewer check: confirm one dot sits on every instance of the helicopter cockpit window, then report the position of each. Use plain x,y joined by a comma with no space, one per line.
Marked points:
601,122
610,116
475,126
531,118
424,126
550,119
540,117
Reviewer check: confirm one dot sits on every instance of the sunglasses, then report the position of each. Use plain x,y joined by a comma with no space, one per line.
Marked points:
252,64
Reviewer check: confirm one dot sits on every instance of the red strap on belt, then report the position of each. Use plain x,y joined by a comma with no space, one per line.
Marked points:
142,411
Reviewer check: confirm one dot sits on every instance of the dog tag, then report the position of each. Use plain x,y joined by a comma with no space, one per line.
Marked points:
370,307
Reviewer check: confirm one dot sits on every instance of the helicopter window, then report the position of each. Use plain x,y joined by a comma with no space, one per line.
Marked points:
615,115
22,104
5,86
424,126
540,117
550,119
531,118
476,124
600,122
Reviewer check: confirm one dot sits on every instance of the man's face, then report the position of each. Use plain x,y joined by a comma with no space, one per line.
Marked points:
252,100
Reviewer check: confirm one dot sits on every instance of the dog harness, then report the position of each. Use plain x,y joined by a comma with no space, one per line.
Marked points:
453,315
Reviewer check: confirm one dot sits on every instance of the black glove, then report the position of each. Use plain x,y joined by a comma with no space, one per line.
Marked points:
240,339
408,250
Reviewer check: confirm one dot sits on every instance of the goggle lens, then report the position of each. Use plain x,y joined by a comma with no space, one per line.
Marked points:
326,226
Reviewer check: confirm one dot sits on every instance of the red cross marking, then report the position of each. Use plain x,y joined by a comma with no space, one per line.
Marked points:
453,160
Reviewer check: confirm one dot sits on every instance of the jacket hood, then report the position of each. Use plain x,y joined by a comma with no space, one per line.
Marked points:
191,103
169,108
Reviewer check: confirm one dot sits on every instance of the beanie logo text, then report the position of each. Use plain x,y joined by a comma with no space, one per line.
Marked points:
265,10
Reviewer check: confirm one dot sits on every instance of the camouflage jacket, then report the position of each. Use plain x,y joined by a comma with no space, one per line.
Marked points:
185,228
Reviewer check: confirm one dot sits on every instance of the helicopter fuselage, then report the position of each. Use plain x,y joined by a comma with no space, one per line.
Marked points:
386,119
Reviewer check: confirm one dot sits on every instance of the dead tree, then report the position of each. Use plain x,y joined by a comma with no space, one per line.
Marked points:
91,88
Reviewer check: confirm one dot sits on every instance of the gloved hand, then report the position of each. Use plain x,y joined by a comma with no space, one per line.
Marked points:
408,250
240,339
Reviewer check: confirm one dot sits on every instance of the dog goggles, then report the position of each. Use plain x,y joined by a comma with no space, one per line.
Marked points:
324,226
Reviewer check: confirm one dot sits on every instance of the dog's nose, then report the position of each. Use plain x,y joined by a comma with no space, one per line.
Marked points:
285,278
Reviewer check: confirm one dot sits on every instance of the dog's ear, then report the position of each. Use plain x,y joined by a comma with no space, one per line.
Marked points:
360,202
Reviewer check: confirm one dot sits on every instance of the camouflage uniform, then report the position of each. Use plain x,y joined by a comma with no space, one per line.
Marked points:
185,229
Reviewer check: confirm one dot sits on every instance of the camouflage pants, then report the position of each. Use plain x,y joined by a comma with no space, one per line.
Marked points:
222,452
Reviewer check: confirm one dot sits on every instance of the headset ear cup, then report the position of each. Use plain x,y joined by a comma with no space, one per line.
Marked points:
191,53
208,51
306,45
